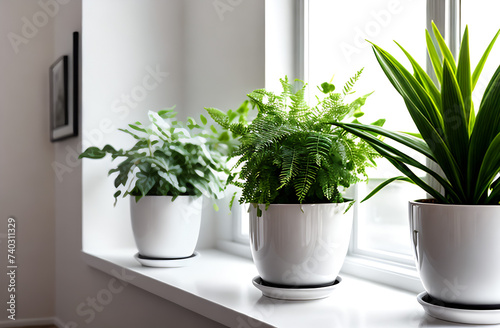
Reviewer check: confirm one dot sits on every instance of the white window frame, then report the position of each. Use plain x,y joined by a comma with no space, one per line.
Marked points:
292,33
238,212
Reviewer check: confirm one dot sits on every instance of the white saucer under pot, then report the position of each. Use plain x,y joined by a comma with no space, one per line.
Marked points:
300,245
164,229
457,251
167,262
297,293
475,315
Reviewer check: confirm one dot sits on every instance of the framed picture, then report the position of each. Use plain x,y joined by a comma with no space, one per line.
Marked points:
63,103
59,97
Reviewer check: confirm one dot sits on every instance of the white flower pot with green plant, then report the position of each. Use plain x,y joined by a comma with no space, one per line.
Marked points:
293,169
456,234
166,172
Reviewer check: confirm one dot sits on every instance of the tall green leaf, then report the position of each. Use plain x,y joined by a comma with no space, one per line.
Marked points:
464,143
432,133
464,78
456,128
424,80
434,56
489,169
486,128
383,184
482,61
388,151
445,51
404,139
409,87
494,197
419,182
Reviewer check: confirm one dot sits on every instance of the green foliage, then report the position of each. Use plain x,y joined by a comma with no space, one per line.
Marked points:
170,158
288,155
463,143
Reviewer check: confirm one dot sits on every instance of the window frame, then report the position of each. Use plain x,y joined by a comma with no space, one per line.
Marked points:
237,218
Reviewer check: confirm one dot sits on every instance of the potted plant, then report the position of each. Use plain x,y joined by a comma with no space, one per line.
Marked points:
167,170
456,234
292,170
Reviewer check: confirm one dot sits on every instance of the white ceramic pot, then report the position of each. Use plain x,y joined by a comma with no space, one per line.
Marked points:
457,250
166,229
295,247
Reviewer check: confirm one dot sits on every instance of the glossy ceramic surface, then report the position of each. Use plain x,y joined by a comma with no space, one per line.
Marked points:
295,294
448,312
457,251
166,229
300,245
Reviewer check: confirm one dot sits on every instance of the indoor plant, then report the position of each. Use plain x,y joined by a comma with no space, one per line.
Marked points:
456,234
167,170
293,169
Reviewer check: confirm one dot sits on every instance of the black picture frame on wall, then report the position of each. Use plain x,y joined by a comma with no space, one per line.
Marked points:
63,104
59,98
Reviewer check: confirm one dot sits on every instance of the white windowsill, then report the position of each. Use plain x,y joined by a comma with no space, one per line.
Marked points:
219,287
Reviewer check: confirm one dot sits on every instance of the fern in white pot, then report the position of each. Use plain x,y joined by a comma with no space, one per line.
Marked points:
292,169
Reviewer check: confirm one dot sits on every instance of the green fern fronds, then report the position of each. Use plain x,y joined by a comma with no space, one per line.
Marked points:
219,117
288,155
350,84
290,165
306,176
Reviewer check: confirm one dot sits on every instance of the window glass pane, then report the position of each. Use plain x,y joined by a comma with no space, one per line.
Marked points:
482,18
337,46
244,221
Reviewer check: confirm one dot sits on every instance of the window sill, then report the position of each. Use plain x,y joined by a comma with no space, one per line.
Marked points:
387,273
218,286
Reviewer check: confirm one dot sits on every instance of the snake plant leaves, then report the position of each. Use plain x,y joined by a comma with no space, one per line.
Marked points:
434,56
409,88
407,140
482,61
385,183
486,129
424,80
464,78
445,51
455,121
489,168
494,196
464,144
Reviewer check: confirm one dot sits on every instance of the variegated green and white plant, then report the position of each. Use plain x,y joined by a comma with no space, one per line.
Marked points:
170,158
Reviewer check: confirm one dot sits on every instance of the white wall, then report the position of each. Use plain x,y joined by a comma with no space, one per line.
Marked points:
123,42
212,60
213,57
26,154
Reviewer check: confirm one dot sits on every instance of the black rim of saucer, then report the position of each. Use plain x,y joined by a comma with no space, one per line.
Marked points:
142,257
430,300
261,281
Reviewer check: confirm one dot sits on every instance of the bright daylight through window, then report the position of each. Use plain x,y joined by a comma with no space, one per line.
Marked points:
381,223
335,38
